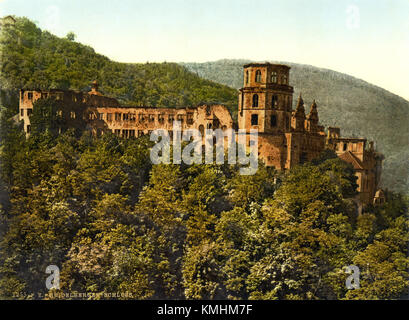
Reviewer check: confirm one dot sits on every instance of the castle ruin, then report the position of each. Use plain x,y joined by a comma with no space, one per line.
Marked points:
286,137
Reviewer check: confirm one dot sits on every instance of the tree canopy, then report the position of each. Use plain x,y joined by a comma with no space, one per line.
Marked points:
113,222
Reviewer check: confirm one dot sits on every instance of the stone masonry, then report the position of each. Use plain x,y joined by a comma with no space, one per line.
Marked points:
286,137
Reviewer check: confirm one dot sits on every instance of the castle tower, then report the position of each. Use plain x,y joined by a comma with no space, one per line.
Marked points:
94,89
298,117
265,101
312,118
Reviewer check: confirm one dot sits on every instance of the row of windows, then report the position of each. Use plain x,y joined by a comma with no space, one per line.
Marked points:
254,120
126,133
59,113
118,116
141,117
273,78
273,121
344,147
29,112
274,101
45,95
131,133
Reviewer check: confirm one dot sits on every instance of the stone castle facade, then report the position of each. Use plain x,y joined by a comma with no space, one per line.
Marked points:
286,137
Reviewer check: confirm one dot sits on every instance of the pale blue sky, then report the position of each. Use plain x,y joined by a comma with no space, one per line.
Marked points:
368,39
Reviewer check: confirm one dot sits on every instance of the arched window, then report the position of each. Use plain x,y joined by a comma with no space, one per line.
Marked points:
274,77
273,121
258,76
255,101
274,101
284,79
201,129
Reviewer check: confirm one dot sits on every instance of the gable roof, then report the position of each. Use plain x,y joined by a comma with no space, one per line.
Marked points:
349,157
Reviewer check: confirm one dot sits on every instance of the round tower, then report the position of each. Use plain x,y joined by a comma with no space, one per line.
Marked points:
265,101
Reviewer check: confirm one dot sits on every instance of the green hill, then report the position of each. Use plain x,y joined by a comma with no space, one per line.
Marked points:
32,58
359,108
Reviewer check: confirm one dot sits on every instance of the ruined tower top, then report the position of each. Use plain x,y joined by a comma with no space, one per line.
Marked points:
300,110
94,88
266,74
313,115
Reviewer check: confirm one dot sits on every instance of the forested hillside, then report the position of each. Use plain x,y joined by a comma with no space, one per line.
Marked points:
32,58
114,223
359,108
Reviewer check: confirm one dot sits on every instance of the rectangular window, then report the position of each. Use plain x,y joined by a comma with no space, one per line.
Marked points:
161,118
274,101
72,115
190,118
180,117
141,117
151,118
109,116
28,130
100,116
30,96
131,133
171,118
254,119
303,157
126,116
125,133
118,132
140,133
273,121
22,112
29,112
117,117
132,117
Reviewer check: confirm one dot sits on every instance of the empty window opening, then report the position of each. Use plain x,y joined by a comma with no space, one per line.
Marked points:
255,101
274,101
258,76
273,121
254,119
274,77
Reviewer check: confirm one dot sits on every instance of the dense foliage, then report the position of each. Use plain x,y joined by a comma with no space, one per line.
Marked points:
113,223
